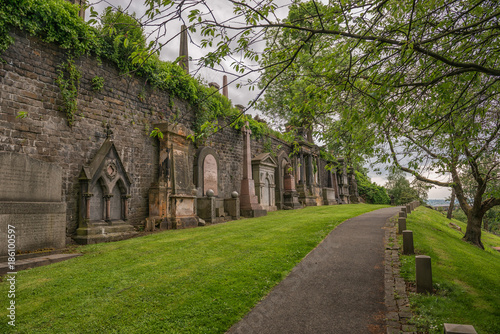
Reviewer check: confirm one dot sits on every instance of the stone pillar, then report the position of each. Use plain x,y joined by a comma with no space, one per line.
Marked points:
423,273
87,197
224,86
336,187
403,213
401,225
107,199
408,208
301,179
125,199
183,50
408,242
310,178
249,203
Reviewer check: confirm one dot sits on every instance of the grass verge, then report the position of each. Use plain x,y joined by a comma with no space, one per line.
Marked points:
467,279
200,280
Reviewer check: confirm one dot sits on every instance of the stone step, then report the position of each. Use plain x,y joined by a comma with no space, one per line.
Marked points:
33,262
107,237
105,229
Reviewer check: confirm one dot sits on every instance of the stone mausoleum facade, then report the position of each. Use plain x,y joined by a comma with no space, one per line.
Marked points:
113,177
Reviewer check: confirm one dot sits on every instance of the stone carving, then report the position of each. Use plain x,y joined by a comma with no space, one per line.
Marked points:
171,198
104,197
263,167
30,200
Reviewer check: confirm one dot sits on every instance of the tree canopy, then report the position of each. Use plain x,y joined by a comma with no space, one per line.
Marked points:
422,75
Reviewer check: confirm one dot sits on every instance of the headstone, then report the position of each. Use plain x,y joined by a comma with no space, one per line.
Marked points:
423,274
263,168
459,329
210,174
30,201
176,148
103,199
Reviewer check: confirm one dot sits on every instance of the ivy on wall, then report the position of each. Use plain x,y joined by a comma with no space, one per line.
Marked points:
57,21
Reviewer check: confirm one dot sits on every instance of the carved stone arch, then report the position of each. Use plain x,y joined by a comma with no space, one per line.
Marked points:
207,171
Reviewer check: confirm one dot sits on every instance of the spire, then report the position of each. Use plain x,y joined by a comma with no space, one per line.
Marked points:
183,50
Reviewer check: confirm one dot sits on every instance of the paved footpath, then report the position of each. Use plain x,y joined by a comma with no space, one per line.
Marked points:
337,288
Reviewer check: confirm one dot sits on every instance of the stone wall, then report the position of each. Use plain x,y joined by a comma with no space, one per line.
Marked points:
128,105
27,83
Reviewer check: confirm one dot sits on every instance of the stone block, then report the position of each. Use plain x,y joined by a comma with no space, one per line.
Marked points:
23,179
408,242
401,225
423,273
459,329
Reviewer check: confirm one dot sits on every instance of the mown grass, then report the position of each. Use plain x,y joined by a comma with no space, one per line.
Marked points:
467,278
199,280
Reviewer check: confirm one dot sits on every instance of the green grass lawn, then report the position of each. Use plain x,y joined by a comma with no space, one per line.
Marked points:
199,280
467,278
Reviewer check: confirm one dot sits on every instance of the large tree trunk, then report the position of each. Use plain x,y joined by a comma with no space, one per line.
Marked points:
473,232
452,204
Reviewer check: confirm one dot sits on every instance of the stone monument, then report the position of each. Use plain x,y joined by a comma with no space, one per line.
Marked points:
249,203
263,168
103,199
30,201
173,196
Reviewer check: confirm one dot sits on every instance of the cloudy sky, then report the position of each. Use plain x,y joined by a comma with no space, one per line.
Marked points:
222,10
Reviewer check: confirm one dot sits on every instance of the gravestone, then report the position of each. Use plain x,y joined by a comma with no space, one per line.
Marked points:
175,188
103,199
263,170
210,179
30,200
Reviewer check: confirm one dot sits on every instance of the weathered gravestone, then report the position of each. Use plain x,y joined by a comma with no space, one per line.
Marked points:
103,199
30,200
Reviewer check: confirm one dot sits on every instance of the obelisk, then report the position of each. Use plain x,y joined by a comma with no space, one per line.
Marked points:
249,203
183,50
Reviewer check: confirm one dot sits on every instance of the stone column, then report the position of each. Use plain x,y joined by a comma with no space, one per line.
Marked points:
249,203
125,206
224,86
310,178
107,198
87,197
301,179
183,50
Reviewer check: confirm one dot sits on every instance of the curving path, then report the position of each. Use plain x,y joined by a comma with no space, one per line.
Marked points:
337,288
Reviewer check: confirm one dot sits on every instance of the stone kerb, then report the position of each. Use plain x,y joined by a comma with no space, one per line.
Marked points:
30,200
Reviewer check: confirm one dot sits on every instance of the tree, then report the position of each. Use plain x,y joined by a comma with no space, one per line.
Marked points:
402,191
123,35
423,75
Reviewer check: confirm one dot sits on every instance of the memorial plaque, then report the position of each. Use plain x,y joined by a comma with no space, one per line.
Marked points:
210,174
181,176
30,200
23,179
